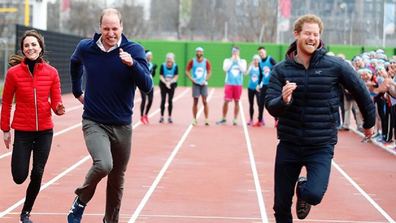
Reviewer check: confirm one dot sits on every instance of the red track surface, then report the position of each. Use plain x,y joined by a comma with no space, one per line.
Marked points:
179,173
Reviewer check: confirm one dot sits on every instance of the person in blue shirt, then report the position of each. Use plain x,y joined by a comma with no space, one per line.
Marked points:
145,107
253,87
234,68
266,65
168,83
201,73
113,67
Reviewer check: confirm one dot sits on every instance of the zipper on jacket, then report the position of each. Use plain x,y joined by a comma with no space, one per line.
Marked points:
35,98
35,107
305,102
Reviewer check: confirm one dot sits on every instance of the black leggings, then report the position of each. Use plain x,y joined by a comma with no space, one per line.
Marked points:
150,96
24,144
251,94
164,92
263,91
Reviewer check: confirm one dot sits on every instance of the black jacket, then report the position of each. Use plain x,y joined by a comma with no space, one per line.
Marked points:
310,118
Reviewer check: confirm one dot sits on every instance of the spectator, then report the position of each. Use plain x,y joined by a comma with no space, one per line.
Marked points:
234,68
168,83
201,72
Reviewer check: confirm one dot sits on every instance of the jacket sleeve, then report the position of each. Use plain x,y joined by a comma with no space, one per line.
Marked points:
355,85
273,99
76,72
6,104
56,97
140,71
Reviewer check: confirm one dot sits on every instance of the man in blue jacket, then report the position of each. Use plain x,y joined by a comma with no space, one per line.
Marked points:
114,67
304,93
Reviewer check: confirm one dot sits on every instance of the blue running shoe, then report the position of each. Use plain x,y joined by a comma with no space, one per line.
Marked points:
25,217
76,211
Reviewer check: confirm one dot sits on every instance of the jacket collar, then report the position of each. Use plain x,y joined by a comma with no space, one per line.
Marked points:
321,51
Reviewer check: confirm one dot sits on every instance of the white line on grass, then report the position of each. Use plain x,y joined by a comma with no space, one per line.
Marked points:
264,217
143,202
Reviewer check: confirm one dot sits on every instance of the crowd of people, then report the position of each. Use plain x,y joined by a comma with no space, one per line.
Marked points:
378,73
299,92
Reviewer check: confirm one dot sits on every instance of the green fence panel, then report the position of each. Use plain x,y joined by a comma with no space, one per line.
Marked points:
348,51
216,52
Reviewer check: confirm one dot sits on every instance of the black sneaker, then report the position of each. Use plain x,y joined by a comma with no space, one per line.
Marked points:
76,211
25,217
302,207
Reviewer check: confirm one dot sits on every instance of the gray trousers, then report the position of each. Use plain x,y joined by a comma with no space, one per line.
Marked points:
110,149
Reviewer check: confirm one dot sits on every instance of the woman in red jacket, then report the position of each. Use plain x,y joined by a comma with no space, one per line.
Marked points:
36,87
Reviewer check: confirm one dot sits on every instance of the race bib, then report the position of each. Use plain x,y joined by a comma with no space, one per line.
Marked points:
168,78
199,72
235,71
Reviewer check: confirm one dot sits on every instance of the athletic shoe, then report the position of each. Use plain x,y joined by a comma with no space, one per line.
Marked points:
161,120
206,122
302,207
262,122
194,123
25,217
257,124
250,122
170,120
143,120
76,211
366,140
221,121
235,122
146,119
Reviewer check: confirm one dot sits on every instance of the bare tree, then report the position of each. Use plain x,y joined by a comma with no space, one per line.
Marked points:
133,20
84,18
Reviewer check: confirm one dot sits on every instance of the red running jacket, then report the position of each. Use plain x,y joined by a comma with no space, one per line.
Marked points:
35,95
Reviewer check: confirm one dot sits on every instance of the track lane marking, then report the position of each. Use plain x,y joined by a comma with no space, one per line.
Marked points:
53,180
362,192
150,191
264,217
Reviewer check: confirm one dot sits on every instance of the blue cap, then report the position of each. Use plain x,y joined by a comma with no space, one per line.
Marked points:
234,49
379,68
199,49
170,56
256,57
149,53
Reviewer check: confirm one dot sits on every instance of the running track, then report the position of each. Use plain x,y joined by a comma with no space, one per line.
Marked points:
181,174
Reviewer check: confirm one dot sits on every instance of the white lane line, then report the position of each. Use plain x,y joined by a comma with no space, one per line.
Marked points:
52,181
386,215
55,134
71,127
264,216
150,191
47,184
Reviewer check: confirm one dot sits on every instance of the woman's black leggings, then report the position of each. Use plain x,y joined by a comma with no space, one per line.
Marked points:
170,92
26,143
251,94
150,96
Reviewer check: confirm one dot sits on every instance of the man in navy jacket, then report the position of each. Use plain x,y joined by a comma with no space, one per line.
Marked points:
113,67
304,93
